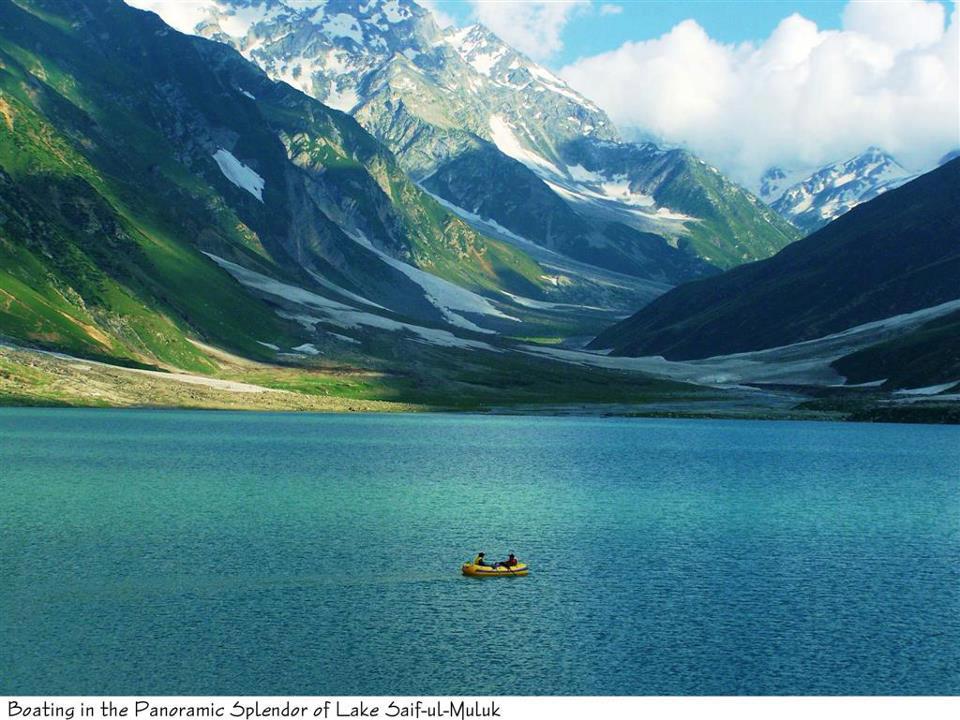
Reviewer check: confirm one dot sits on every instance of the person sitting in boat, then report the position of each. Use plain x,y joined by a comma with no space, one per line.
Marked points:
478,560
510,561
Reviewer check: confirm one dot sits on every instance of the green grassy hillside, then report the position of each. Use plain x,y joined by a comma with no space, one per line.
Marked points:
109,192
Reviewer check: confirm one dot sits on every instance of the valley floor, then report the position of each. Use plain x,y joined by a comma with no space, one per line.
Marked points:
30,377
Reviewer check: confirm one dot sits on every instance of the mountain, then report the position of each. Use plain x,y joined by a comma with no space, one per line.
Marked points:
896,254
143,173
166,205
499,137
826,194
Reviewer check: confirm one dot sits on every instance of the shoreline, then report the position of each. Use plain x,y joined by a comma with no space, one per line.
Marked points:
42,379
905,417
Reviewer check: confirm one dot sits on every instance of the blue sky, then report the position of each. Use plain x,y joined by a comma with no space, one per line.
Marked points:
723,21
590,32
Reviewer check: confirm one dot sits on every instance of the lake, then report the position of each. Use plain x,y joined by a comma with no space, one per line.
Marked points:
179,552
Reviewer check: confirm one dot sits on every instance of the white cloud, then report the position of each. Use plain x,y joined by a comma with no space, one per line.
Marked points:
611,9
533,27
802,97
897,24
442,19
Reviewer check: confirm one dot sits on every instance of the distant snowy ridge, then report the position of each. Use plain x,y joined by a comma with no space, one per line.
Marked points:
811,202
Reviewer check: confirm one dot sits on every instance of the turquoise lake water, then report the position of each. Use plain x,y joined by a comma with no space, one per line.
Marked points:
169,552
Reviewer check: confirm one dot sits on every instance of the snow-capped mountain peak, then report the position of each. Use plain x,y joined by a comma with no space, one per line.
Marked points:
342,52
478,47
326,48
490,56
811,202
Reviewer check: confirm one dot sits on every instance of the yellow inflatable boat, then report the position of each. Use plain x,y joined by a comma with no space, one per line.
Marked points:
518,570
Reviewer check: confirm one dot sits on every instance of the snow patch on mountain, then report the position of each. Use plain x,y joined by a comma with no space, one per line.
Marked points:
928,390
507,142
485,224
337,313
239,174
307,349
581,174
802,363
393,12
344,26
451,300
238,22
323,282
264,283
343,100
617,195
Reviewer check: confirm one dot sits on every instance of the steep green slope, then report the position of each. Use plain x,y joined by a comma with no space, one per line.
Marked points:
110,190
892,255
92,259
